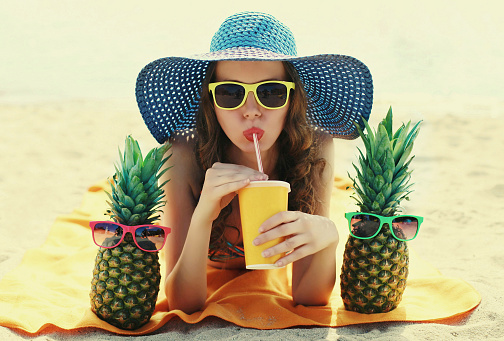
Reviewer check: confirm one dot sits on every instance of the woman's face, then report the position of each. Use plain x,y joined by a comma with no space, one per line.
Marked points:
238,124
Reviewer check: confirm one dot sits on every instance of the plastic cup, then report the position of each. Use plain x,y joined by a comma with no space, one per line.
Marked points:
259,201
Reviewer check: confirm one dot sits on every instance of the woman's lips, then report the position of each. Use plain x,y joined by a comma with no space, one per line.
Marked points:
249,133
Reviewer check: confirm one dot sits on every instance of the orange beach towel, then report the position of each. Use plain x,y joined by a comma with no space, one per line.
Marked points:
49,290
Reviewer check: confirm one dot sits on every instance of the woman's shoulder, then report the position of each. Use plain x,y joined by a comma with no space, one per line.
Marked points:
324,141
183,158
183,141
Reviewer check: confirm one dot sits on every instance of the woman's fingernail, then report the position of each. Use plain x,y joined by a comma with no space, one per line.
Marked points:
265,254
279,263
255,241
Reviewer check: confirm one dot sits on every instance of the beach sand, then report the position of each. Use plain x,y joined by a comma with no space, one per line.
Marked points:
54,144
459,189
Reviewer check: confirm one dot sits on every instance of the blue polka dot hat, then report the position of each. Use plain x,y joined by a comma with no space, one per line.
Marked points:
339,88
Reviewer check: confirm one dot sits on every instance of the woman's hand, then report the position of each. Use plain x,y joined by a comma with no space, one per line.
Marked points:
222,181
305,234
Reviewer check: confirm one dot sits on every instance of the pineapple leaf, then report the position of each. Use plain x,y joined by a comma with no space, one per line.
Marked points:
141,198
160,174
164,183
404,168
359,202
137,153
359,174
387,190
139,208
113,206
369,133
404,157
375,165
396,197
387,123
135,181
165,159
363,197
388,175
368,138
389,160
392,204
365,208
380,199
369,191
109,195
387,212
128,153
135,171
122,161
139,189
149,166
150,185
126,213
413,134
400,145
128,201
378,183
134,220
396,137
382,144
398,181
156,194
376,206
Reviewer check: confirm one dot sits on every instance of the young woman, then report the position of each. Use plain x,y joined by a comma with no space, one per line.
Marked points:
296,105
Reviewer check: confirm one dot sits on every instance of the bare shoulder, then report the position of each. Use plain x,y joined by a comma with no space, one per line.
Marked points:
325,144
184,166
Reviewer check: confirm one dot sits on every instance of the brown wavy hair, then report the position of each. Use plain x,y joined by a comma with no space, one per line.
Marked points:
298,162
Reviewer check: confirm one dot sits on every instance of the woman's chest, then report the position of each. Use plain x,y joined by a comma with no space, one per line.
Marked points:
233,230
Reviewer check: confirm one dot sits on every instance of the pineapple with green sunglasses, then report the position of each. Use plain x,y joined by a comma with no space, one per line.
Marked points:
376,257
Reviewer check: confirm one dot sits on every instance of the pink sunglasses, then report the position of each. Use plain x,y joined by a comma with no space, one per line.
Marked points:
108,234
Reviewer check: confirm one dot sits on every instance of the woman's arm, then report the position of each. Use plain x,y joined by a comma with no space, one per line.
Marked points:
314,276
191,221
185,286
313,239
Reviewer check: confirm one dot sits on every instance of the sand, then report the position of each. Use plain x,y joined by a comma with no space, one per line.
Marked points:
55,142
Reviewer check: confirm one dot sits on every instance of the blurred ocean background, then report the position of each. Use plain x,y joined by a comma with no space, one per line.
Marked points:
56,50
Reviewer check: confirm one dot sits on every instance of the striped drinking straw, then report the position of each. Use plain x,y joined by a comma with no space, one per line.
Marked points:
258,154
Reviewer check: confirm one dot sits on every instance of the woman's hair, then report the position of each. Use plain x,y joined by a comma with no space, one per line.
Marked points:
298,163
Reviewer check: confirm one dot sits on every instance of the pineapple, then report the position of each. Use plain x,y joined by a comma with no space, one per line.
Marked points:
374,271
126,279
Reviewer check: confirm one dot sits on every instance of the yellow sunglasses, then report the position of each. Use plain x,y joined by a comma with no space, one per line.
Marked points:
269,94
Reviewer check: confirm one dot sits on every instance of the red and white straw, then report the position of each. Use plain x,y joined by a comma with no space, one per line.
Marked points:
258,153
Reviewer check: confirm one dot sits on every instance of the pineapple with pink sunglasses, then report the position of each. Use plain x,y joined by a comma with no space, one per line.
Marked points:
126,275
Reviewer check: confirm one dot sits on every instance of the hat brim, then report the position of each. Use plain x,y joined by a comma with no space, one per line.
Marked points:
339,90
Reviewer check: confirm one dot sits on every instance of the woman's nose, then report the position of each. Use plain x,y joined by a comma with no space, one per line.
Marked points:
251,107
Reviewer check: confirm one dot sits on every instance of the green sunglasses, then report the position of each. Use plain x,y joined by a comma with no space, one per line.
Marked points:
269,94
368,225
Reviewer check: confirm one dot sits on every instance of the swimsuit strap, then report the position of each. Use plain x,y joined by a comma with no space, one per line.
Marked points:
230,252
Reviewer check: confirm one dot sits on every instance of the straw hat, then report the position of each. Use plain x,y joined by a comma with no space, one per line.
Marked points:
339,88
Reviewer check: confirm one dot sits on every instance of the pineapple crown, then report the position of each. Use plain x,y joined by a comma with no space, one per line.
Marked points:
383,178
136,194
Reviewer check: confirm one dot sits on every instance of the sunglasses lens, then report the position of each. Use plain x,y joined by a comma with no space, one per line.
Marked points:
150,238
229,95
107,234
364,225
405,228
272,95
